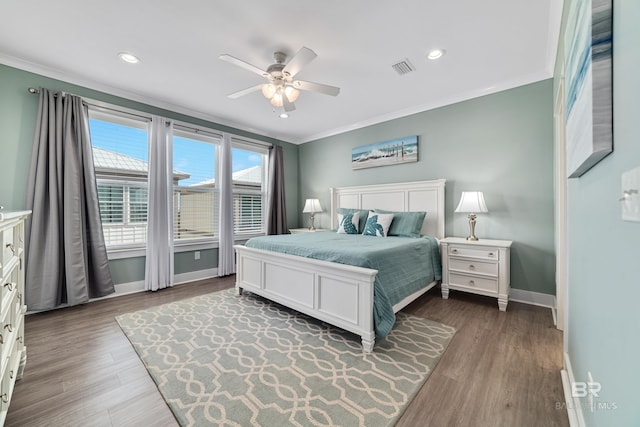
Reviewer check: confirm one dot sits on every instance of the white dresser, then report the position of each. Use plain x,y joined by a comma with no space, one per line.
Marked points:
480,267
13,355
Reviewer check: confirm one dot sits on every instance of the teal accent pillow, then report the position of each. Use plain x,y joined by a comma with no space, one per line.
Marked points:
377,224
405,224
348,223
362,220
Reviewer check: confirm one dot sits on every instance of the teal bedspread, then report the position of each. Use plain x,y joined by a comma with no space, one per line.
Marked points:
404,264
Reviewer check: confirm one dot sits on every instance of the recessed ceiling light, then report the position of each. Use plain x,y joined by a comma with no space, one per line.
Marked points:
284,116
128,57
435,54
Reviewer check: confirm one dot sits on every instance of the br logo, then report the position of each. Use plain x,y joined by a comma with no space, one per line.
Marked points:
582,389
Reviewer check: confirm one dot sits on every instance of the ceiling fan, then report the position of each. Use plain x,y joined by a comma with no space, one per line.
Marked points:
282,89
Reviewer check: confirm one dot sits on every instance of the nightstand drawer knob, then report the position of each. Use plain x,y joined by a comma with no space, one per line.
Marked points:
455,251
491,254
472,283
472,266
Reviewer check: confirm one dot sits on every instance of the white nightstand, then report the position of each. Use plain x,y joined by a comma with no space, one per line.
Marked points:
480,267
305,230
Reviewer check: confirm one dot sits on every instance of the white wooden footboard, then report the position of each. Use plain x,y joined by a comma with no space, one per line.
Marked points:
339,294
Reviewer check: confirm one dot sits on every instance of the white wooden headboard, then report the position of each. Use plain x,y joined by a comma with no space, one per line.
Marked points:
403,197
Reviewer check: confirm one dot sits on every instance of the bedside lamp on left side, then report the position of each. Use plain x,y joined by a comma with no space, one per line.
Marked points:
312,206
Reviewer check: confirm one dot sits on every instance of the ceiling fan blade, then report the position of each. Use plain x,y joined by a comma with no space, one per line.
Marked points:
240,63
316,87
299,60
288,106
240,93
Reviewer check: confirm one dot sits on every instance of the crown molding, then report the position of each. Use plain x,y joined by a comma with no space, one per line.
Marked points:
74,79
442,102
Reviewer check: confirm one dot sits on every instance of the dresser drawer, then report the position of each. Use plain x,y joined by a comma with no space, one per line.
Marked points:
474,252
7,334
473,266
474,282
9,287
9,245
8,380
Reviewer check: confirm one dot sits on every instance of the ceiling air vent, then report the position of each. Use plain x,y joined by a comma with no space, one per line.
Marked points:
403,67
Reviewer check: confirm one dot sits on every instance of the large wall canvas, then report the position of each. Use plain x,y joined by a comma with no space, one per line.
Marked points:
400,150
588,72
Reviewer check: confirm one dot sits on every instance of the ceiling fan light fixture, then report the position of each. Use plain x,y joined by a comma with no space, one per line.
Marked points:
291,93
284,115
276,100
268,90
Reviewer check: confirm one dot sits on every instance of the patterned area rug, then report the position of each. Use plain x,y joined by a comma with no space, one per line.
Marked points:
223,359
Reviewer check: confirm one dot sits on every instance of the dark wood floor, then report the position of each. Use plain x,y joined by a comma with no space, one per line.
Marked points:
501,369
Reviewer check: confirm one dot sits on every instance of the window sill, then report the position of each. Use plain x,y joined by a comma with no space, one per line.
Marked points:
126,253
121,253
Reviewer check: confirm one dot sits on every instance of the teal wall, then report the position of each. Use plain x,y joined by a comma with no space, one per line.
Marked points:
127,270
603,323
17,121
186,262
501,144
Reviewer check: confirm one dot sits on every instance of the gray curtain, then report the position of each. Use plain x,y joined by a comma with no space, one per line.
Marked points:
159,254
226,256
276,206
66,255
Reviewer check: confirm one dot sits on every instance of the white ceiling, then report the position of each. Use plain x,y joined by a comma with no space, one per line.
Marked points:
491,45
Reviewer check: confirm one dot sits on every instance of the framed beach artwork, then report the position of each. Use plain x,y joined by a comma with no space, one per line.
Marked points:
588,95
393,152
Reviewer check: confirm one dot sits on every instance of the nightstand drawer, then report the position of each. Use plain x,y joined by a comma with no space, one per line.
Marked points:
470,266
473,282
485,253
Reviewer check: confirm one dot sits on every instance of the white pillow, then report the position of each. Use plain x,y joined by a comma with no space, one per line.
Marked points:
348,223
377,224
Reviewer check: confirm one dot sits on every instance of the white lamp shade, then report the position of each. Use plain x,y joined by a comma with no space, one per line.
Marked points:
472,202
312,206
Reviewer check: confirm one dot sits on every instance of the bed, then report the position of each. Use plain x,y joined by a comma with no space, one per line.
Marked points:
337,293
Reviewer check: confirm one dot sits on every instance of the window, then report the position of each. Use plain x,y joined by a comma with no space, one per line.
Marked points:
195,195
120,156
249,188
120,152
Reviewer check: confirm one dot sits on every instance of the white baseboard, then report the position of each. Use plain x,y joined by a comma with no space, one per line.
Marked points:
533,298
192,276
574,406
178,279
138,286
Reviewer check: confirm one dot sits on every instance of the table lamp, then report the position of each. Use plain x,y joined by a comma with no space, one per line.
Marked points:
312,206
472,202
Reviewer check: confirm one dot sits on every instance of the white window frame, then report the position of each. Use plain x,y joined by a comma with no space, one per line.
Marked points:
207,136
131,119
262,149
121,115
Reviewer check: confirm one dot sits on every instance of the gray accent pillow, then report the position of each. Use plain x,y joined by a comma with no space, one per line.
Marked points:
405,224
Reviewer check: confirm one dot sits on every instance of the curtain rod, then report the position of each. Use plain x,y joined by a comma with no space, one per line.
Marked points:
178,123
98,105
